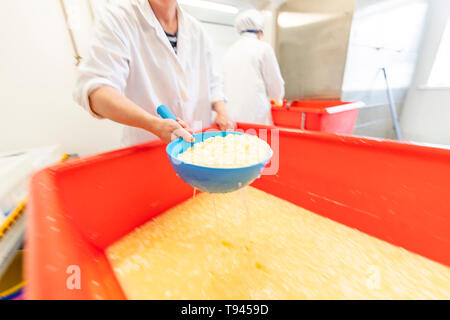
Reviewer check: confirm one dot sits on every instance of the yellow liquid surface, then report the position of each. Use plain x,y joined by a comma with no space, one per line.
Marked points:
251,245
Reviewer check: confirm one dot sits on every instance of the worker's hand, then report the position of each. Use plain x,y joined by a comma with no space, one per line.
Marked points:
222,119
224,122
184,125
278,103
168,130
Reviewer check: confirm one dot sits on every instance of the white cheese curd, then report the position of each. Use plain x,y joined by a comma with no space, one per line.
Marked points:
231,151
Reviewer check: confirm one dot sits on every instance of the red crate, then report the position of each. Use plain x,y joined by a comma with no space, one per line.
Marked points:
391,190
332,116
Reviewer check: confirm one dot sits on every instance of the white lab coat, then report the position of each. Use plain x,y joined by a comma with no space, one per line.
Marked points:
131,53
251,78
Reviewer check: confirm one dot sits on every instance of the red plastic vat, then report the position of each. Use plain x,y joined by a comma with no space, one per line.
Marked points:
394,191
332,116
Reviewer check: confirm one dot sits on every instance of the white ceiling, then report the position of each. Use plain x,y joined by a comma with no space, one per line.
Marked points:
318,6
294,5
258,4
227,18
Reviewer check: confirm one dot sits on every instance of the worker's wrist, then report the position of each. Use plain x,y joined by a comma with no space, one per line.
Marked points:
152,124
219,107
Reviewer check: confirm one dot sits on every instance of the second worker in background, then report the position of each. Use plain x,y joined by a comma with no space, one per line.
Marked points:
251,73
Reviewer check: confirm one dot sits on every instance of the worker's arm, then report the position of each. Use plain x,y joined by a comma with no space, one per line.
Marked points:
222,119
102,77
107,102
272,76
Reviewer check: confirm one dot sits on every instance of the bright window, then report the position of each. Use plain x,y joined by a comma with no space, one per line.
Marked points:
440,74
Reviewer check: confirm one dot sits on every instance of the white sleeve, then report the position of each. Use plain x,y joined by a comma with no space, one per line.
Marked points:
215,80
107,63
272,76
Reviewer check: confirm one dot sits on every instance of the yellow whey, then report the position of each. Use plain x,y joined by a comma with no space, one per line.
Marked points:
251,245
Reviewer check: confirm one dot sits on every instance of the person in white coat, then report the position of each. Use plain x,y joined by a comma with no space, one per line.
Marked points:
251,73
146,53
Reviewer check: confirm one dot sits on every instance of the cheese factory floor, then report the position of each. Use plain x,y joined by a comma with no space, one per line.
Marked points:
251,245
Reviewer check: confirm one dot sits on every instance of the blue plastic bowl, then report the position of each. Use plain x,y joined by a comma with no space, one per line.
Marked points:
212,180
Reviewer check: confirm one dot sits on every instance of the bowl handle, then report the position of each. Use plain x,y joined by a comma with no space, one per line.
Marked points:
165,112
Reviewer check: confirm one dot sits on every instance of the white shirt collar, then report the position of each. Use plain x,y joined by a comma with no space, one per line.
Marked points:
151,17
183,26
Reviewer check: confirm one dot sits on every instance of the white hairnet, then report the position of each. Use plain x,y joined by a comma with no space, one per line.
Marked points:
249,20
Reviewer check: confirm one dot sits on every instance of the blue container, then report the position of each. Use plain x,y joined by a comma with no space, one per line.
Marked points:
212,180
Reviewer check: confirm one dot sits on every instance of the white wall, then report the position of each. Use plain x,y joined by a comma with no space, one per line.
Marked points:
426,113
37,73
385,33
36,79
222,38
